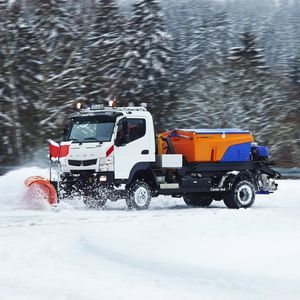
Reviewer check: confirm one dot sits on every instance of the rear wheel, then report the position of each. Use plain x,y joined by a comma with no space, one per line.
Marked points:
197,199
139,196
242,195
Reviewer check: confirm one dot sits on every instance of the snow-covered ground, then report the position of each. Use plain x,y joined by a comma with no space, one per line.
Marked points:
167,252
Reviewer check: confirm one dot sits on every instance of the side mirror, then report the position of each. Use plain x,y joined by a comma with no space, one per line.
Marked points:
117,142
121,140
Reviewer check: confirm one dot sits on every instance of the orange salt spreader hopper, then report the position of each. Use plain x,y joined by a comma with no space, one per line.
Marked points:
207,145
45,187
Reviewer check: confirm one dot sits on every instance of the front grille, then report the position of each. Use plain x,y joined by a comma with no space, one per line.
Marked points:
82,163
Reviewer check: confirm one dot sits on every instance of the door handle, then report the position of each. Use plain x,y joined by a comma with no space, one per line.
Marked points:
145,152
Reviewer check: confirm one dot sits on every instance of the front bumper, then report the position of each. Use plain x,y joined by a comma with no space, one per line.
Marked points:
81,180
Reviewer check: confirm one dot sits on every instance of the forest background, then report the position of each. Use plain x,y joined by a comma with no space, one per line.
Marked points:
196,63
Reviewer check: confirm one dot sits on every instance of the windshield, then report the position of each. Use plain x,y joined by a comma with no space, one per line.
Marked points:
91,129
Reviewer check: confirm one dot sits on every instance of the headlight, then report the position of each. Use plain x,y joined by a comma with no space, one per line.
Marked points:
105,164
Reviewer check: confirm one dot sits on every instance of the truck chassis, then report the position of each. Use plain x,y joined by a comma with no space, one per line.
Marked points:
198,183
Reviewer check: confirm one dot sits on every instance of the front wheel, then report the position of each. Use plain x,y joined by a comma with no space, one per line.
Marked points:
198,199
242,195
97,198
139,196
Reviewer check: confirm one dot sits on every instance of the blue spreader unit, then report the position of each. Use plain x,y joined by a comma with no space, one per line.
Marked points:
236,153
263,151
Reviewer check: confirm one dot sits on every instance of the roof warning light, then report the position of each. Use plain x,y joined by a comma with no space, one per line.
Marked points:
112,103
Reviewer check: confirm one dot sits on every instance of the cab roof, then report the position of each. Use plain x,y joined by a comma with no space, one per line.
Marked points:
107,111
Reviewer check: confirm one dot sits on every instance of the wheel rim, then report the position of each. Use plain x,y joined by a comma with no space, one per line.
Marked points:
244,194
141,196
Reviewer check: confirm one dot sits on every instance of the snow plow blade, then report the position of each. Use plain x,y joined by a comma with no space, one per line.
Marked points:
41,187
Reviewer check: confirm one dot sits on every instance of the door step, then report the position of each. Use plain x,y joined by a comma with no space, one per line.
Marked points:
165,186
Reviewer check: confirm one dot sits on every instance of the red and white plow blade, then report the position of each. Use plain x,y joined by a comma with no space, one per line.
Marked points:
40,192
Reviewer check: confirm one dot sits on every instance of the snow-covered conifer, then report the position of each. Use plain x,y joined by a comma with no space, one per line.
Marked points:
206,78
105,51
54,30
147,65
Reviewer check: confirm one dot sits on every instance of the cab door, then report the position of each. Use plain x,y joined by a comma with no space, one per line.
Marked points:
132,145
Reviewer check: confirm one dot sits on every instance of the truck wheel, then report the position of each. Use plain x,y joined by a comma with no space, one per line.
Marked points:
241,195
97,198
139,196
198,199
218,196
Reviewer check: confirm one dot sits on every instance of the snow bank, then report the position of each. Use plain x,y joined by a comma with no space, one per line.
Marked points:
13,189
13,192
167,252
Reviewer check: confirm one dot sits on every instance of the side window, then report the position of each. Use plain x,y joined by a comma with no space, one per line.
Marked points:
136,129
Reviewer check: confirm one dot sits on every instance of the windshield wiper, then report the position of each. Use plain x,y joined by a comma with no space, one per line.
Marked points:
73,140
92,139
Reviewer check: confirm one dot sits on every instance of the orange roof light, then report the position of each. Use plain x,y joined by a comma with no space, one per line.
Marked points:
78,105
112,103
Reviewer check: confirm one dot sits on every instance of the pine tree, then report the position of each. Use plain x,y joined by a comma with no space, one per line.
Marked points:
105,52
10,108
27,71
81,72
188,38
248,82
206,87
3,8
295,70
147,67
20,84
6,121
292,121
54,30
260,98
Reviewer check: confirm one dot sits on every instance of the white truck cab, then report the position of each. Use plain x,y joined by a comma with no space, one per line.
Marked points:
109,140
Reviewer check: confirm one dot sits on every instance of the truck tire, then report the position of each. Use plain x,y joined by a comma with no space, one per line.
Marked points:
242,195
198,199
218,196
139,196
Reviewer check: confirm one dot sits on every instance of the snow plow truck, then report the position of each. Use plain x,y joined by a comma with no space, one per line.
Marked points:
113,153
